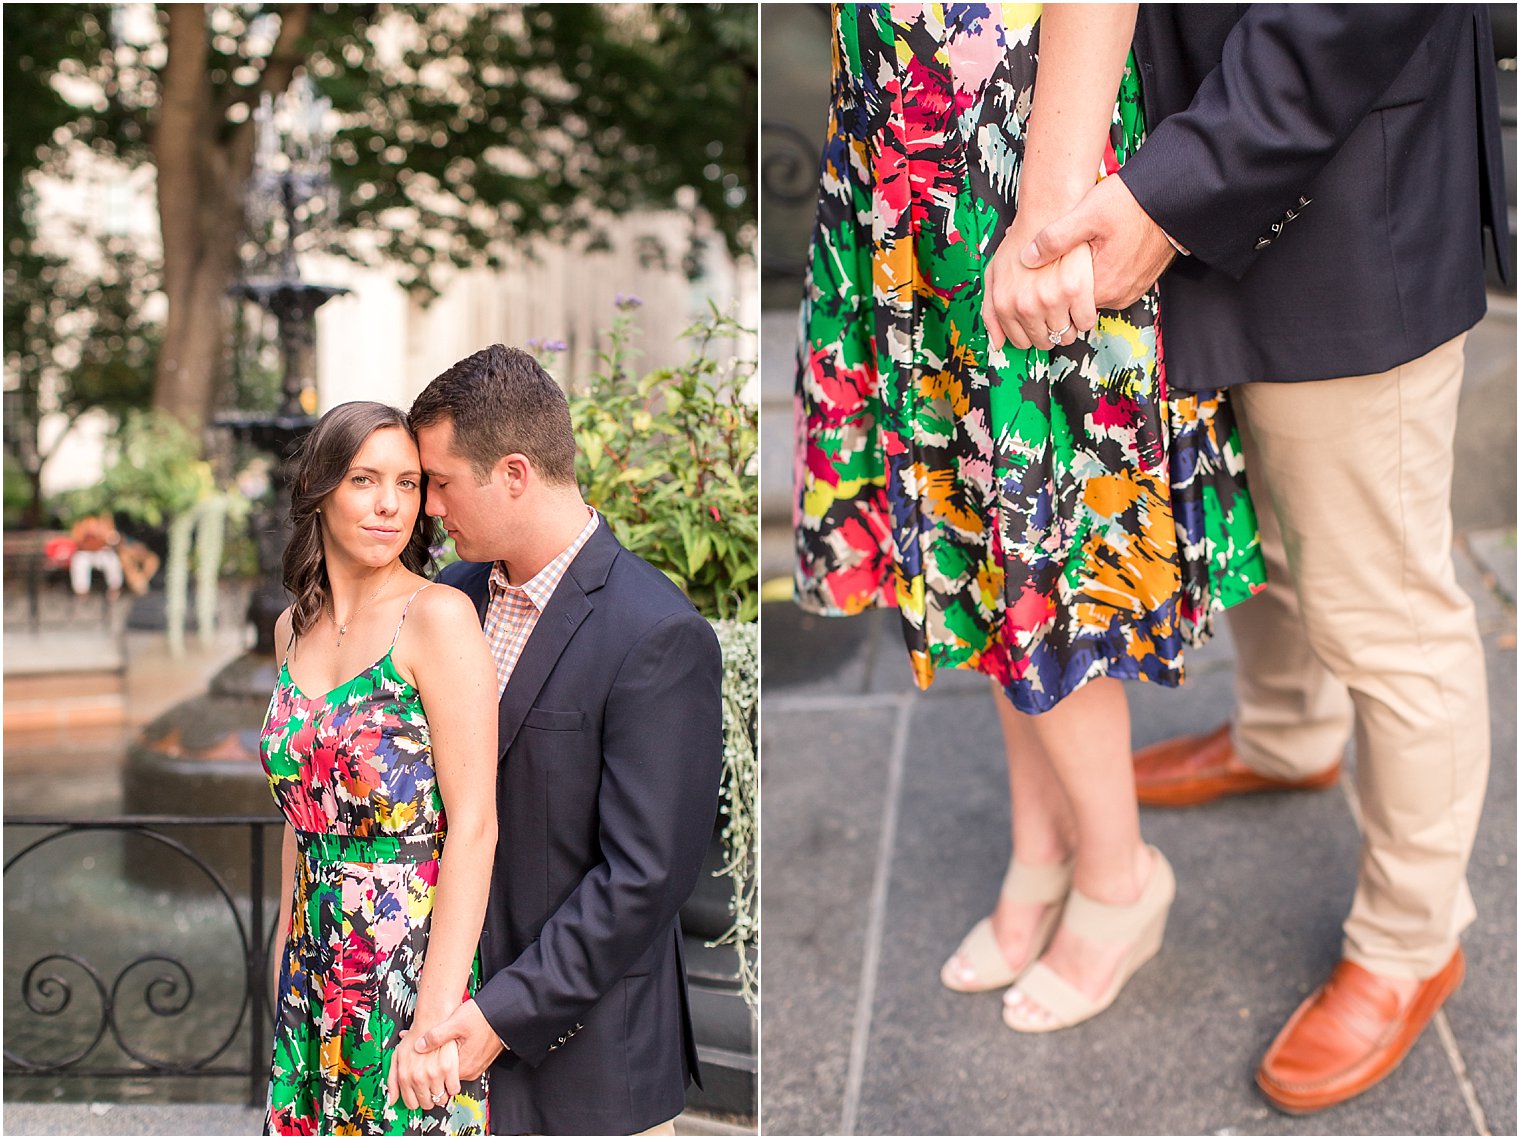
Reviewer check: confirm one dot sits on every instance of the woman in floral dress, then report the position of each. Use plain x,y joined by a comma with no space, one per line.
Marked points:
1038,509
379,746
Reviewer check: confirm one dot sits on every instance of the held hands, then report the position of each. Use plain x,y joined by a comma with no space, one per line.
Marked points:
422,1078
467,1030
1106,252
1129,250
1037,307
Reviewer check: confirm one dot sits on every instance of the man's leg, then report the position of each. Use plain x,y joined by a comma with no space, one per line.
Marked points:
80,564
1292,717
1360,470
110,569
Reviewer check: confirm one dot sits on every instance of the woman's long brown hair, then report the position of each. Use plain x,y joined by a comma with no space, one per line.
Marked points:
323,461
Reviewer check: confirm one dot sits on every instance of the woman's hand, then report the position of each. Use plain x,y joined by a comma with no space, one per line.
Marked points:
423,1079
1037,308
1082,52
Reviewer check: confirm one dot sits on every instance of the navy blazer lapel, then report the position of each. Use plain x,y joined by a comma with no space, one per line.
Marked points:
570,605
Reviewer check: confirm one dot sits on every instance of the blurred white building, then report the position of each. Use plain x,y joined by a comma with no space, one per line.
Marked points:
377,343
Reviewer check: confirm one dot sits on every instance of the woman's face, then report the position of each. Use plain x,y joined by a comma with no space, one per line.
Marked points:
368,518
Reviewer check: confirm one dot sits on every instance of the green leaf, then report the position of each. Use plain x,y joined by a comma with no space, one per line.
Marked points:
698,550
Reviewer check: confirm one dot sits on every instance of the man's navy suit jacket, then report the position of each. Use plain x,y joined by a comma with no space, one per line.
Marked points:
1332,169
610,757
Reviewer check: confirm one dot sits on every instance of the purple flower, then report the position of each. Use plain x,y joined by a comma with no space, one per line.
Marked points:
626,301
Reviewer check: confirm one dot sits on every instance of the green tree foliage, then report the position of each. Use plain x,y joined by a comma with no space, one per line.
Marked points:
74,334
463,129
472,126
77,338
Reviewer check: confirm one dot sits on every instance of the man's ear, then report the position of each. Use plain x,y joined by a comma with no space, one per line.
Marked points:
514,471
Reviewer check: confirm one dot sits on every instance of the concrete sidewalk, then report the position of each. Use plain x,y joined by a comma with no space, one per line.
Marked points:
202,1119
886,834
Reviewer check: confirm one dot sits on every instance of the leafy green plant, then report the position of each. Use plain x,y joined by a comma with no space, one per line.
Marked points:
157,472
668,457
156,476
17,492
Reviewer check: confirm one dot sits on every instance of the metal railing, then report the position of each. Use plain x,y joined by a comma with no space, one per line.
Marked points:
167,983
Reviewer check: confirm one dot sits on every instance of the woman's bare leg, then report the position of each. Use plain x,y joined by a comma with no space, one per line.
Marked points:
1043,832
1086,740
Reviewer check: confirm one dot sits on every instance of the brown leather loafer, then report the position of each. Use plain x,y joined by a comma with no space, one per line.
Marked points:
1188,770
1347,1036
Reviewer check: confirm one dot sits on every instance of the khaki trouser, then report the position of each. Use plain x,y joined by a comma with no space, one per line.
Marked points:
1352,480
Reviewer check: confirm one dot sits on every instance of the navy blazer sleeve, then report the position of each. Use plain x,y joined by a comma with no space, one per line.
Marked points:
662,743
1293,82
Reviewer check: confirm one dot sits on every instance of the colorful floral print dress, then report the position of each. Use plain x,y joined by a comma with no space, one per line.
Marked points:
1043,517
352,772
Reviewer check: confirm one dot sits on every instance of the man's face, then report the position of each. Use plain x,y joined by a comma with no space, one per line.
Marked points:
474,515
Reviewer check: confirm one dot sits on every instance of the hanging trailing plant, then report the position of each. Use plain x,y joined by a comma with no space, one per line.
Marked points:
740,805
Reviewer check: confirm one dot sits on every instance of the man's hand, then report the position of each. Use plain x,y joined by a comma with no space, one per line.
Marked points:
467,1026
1129,249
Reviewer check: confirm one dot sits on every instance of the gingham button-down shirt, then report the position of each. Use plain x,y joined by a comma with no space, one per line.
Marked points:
514,609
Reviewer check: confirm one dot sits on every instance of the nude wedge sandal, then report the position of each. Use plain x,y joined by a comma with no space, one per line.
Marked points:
1025,885
1140,924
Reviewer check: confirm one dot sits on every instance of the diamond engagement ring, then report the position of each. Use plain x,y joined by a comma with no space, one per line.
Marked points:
439,1099
1056,333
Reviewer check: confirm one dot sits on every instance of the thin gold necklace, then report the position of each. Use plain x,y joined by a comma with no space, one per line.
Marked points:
343,628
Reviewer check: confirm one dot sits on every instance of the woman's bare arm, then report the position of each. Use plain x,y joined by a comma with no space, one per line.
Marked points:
446,653
1083,48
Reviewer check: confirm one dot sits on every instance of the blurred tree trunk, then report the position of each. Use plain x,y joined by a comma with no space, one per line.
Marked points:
204,162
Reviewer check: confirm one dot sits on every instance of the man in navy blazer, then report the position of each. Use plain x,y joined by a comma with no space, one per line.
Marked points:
611,749
1314,194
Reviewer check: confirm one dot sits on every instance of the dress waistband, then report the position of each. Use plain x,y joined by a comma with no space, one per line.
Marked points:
323,846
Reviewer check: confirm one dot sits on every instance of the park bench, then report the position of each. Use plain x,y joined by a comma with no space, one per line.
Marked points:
27,561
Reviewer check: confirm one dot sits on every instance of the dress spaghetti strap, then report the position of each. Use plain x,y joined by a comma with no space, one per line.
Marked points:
404,609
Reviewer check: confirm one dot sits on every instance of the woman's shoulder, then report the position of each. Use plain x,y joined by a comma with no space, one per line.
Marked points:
439,608
437,619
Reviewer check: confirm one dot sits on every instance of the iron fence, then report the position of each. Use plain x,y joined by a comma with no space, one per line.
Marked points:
160,982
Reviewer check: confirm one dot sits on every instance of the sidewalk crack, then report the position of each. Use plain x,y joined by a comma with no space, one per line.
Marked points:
860,1037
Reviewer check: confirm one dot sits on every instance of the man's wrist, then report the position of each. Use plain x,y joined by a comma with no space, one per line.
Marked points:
491,1028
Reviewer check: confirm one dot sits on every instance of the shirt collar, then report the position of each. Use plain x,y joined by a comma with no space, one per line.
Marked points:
540,587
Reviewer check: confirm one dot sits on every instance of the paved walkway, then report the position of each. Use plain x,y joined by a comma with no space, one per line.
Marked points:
886,834
202,1119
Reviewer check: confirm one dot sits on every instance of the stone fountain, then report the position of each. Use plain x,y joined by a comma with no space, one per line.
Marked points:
202,756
